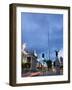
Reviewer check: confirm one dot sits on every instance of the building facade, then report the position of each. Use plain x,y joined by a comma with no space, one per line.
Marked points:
30,60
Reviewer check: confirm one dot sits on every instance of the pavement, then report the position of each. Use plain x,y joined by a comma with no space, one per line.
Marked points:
42,73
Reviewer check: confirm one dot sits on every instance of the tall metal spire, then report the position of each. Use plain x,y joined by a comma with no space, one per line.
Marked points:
49,44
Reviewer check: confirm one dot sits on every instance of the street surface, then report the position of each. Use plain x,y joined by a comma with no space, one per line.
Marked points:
41,73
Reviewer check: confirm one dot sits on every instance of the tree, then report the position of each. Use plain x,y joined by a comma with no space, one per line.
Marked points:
54,63
61,62
26,66
49,64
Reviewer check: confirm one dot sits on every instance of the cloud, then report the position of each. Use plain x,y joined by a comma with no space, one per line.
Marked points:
24,46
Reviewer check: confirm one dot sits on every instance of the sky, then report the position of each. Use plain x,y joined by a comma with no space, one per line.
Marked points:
42,32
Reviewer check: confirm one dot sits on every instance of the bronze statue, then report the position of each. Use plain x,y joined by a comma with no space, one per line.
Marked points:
56,52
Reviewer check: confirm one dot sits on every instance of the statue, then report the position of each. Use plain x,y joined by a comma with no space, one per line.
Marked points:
56,53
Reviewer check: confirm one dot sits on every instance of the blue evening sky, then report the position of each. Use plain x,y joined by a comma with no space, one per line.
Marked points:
36,28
